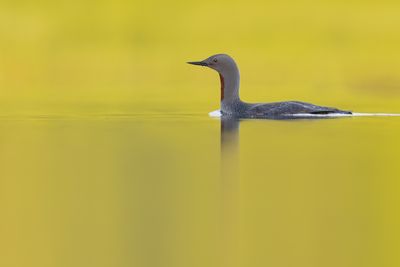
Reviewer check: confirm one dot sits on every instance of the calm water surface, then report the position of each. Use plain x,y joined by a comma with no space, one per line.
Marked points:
142,177
190,190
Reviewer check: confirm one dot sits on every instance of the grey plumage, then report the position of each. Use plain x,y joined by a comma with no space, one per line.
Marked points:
232,106
279,109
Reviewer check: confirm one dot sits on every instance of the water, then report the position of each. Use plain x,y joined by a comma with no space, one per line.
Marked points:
108,157
181,189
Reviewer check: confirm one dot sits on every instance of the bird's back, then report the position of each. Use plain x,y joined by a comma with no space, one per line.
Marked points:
288,108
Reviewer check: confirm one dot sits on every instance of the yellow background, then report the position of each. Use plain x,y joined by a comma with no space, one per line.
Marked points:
134,52
108,157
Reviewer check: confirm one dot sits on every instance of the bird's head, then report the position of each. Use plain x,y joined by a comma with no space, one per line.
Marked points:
219,62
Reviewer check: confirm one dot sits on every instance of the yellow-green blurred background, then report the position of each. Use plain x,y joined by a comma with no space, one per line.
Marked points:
112,52
108,156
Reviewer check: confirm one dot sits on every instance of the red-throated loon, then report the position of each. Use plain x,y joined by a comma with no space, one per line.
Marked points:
231,105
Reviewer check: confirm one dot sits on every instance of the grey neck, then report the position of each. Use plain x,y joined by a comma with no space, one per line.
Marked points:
230,82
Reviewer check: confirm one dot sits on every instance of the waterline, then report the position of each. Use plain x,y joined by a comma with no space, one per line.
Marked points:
217,114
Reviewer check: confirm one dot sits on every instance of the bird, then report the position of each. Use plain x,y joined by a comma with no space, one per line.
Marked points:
233,106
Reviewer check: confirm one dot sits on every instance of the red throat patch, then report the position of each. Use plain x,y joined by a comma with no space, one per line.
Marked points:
222,86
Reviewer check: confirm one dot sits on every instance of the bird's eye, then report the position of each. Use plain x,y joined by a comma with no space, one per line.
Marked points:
215,60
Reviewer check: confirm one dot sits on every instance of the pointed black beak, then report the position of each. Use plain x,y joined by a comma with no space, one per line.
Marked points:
200,63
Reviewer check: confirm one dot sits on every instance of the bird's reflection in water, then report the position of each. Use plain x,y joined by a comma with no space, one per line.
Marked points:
230,189
229,132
